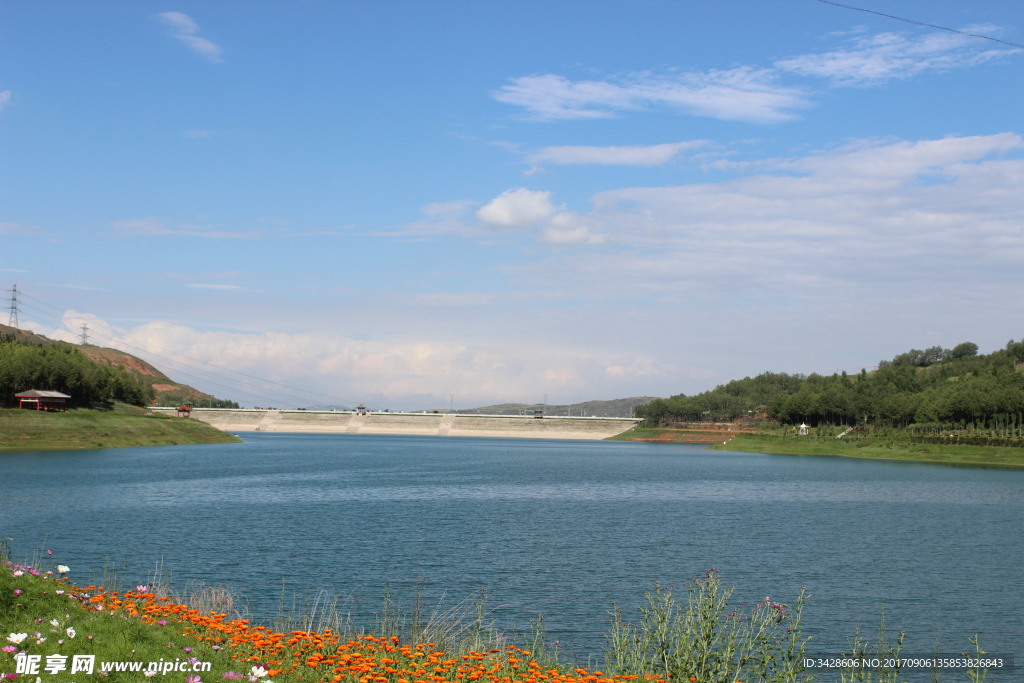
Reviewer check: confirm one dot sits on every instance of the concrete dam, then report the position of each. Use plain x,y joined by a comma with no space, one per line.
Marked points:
423,424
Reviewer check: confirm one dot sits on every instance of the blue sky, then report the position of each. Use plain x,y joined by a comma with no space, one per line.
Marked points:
412,204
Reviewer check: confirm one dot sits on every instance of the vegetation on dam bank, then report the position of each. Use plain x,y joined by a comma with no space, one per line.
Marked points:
944,406
882,444
120,426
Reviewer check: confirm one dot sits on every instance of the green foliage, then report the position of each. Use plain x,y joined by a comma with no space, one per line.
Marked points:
62,367
37,606
942,388
707,640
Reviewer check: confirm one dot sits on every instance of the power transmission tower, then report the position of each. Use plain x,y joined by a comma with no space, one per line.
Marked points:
85,334
12,319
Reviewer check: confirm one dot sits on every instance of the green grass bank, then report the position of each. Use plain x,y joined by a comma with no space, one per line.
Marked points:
1001,457
880,445
120,426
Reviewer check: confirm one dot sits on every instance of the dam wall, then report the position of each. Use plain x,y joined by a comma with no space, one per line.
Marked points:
424,424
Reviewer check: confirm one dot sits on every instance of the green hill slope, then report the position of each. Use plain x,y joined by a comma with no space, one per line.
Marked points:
620,407
155,386
930,391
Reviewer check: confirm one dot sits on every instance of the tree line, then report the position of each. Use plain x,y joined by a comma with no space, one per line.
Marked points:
935,387
62,367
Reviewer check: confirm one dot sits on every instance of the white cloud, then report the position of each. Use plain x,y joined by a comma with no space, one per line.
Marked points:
887,56
152,226
221,287
568,228
16,228
447,209
440,218
449,299
518,208
858,220
741,94
297,369
182,27
629,155
746,93
71,328
896,161
5,99
525,209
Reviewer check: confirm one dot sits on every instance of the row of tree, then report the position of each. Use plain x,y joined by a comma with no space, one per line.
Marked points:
62,367
935,387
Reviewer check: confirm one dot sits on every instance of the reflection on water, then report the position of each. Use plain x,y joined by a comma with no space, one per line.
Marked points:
562,528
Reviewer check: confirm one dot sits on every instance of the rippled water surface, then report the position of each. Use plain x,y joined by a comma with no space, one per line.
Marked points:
559,528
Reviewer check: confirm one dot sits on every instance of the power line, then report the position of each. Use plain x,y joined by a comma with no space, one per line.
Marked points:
921,23
274,395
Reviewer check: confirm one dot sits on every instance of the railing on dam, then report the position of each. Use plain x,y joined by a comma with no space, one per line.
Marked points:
436,424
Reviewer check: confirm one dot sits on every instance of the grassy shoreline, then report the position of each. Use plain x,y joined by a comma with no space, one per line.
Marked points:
694,635
995,457
880,447
121,426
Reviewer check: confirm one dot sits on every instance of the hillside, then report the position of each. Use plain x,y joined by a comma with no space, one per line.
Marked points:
934,390
160,390
620,407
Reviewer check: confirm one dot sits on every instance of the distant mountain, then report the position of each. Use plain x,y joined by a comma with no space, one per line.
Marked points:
167,391
619,407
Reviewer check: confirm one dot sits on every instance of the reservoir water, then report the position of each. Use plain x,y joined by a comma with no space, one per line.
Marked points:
559,528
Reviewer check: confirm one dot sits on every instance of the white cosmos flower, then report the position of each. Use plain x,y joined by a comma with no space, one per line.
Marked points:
259,671
71,632
63,568
16,638
54,622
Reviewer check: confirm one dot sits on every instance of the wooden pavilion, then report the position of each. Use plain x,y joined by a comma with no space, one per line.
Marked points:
50,401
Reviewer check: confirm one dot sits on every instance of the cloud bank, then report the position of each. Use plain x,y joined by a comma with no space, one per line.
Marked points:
747,93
